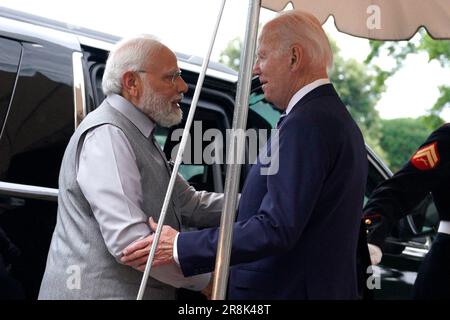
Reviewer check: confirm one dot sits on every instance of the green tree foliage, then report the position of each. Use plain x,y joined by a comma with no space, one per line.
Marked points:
438,50
442,102
400,138
431,121
359,87
232,54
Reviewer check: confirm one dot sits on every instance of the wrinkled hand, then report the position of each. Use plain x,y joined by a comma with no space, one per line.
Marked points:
136,254
375,254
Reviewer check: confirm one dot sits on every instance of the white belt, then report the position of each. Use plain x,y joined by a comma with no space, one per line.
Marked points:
444,227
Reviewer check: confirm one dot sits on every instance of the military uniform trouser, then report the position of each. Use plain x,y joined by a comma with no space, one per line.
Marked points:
433,279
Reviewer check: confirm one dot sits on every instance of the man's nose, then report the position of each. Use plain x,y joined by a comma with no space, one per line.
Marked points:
256,70
181,85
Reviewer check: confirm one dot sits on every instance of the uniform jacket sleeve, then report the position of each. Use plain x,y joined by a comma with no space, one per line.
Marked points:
199,209
394,198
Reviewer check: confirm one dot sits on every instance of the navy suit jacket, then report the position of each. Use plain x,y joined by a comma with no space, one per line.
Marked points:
297,230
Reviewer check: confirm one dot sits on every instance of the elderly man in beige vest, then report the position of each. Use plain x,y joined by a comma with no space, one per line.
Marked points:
114,177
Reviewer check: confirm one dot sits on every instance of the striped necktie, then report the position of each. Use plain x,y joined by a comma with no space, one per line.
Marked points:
282,118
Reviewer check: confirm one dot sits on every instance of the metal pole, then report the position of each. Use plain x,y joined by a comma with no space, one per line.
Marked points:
236,152
179,157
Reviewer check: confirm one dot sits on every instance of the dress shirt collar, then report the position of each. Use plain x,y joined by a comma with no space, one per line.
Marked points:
304,91
136,116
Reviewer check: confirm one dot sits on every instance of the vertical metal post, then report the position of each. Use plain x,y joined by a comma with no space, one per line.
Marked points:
236,153
179,157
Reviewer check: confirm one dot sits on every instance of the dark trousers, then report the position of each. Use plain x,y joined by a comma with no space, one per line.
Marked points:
433,279
362,263
10,289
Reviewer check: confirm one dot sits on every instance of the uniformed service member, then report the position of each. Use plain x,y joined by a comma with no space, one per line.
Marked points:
428,170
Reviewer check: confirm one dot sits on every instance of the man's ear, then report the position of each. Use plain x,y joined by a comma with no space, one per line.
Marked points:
131,84
296,57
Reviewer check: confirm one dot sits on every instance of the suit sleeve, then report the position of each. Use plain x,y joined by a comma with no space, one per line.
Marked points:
110,180
199,209
284,211
396,197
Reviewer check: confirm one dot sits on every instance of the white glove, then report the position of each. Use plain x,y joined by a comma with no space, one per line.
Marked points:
375,254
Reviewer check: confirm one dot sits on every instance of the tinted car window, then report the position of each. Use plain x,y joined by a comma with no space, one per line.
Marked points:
264,109
194,168
41,117
9,63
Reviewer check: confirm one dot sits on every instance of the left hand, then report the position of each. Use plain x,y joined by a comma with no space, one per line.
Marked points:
375,254
136,254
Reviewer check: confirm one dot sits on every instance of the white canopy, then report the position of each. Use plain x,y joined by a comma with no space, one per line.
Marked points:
378,19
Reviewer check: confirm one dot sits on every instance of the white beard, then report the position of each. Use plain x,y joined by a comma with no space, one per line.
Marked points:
159,108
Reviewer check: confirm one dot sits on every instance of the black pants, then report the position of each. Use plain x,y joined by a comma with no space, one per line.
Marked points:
433,279
10,289
362,263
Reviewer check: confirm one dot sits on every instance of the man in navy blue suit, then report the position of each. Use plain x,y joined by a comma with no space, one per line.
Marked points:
296,232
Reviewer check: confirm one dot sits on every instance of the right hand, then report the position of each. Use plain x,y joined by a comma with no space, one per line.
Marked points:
136,254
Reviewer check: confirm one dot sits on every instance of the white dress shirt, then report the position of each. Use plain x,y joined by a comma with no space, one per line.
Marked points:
110,180
304,91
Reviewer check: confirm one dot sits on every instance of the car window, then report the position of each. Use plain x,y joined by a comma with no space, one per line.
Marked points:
94,64
37,129
96,73
264,109
9,63
416,229
41,117
431,219
187,171
201,173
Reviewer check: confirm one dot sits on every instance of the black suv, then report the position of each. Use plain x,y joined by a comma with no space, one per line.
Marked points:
50,78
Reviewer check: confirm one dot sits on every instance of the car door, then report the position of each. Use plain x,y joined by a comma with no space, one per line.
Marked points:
37,111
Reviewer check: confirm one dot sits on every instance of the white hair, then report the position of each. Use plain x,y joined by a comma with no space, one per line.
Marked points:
130,54
301,27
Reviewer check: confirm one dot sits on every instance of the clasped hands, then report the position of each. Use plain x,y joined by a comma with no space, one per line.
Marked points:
136,254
